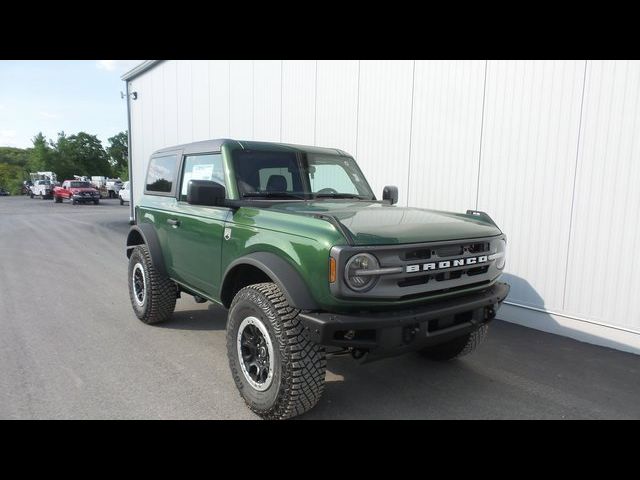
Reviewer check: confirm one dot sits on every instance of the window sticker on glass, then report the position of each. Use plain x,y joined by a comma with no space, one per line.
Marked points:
202,172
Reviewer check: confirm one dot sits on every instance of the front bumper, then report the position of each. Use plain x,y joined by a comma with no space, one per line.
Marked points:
83,198
389,333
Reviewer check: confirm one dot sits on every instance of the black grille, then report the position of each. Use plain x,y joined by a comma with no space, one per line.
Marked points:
444,251
422,254
477,247
426,295
449,250
478,270
441,276
411,281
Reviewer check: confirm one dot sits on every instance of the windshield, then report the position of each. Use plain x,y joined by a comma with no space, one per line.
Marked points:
80,185
44,182
298,176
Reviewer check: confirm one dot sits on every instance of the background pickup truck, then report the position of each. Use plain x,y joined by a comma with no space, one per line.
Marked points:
76,191
41,188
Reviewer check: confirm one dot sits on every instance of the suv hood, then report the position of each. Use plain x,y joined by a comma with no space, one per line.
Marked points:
384,224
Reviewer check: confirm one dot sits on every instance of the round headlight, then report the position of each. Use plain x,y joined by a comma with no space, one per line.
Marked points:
501,254
355,271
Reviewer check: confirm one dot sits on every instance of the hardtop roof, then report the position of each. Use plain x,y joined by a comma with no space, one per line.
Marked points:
216,144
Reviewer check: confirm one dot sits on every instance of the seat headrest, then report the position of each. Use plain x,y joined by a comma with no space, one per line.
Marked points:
277,183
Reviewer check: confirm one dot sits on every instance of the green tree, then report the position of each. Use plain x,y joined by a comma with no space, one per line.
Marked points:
10,177
14,156
13,168
42,155
80,154
118,152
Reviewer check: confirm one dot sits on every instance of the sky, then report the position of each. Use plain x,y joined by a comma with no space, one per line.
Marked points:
51,96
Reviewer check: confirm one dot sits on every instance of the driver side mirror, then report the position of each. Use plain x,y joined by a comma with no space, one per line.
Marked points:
205,192
390,192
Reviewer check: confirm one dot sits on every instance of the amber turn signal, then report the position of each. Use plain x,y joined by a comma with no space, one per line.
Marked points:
332,270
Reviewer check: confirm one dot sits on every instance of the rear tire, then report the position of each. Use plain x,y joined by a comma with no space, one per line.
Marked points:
153,295
458,347
96,202
295,366
31,195
121,201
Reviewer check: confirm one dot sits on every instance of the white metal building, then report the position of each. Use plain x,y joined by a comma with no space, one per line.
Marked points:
550,149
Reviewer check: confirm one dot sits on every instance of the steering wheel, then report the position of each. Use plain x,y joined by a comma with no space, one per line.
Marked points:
326,190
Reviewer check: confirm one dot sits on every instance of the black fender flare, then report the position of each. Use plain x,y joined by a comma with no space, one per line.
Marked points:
150,238
291,283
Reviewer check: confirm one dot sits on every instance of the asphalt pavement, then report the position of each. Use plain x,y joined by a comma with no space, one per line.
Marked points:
72,348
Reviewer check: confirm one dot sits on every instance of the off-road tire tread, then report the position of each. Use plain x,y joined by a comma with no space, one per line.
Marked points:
457,347
161,293
304,362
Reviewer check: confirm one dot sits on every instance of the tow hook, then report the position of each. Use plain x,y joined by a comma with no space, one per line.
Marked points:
358,353
409,333
489,313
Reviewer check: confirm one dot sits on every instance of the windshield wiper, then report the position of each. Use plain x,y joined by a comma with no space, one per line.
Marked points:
272,195
339,195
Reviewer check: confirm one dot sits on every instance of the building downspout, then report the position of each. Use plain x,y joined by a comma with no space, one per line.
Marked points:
132,215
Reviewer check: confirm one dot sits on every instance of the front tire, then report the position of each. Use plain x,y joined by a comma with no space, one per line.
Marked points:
57,199
458,347
121,201
278,372
153,295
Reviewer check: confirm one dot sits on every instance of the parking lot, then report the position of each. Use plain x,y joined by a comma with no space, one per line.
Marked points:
71,347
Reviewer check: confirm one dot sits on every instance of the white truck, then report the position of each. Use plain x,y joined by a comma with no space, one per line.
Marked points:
107,186
42,184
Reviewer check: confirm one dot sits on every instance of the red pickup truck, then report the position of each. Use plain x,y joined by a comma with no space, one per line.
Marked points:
77,191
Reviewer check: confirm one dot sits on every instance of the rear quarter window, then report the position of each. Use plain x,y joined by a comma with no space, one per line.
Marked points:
161,175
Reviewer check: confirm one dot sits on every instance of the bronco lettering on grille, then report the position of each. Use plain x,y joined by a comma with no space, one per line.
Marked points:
444,264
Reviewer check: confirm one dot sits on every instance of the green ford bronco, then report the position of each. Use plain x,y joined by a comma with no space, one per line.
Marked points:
293,242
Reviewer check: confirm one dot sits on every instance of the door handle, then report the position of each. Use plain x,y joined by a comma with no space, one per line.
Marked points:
173,222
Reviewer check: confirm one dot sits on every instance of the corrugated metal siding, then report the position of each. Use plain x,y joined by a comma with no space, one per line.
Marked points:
219,99
200,93
169,73
267,100
337,104
241,83
185,101
603,277
527,166
548,148
384,123
158,109
445,135
299,101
